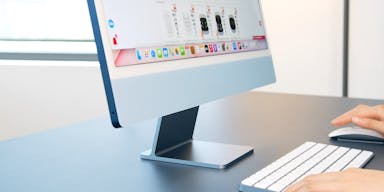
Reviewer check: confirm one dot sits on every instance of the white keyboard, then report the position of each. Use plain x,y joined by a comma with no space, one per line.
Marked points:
309,158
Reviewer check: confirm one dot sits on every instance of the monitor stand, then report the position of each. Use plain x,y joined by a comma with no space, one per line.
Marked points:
174,143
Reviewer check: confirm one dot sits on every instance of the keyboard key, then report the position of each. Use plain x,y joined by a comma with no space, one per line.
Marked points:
360,160
343,161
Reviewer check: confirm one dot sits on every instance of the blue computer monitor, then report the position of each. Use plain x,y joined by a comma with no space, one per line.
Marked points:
164,58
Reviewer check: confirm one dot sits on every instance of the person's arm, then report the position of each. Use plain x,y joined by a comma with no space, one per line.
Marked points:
370,117
350,180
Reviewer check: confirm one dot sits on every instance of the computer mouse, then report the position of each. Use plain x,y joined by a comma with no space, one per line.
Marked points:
355,133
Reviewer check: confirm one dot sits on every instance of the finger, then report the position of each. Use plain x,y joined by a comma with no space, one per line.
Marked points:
295,187
324,177
369,124
341,121
330,176
346,117
322,186
362,111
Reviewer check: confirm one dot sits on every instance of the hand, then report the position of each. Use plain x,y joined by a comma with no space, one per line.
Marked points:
350,180
370,117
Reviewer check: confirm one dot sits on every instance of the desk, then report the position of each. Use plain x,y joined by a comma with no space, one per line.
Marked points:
92,156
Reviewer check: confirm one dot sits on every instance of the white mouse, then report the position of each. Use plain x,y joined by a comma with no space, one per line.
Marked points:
356,134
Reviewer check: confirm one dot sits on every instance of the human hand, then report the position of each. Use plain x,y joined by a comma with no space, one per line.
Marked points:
350,180
370,117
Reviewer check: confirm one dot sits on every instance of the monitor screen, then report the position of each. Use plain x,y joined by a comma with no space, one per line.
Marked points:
164,30
162,56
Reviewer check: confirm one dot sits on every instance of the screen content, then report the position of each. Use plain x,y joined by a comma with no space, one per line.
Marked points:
147,31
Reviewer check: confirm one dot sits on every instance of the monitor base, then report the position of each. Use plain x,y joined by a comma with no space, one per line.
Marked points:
174,143
202,154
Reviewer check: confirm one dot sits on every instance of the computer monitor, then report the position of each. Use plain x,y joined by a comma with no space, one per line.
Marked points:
163,58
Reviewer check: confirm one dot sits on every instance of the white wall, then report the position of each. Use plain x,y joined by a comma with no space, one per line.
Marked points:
39,95
366,74
305,37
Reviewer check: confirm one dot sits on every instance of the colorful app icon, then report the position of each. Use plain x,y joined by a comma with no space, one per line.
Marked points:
215,48
223,47
234,46
206,48
146,53
159,53
245,45
193,49
111,24
165,52
171,52
197,49
239,46
187,50
182,50
138,55
202,46
153,53
210,48
114,40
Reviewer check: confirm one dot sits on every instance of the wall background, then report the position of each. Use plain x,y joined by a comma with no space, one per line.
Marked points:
39,95
366,73
306,39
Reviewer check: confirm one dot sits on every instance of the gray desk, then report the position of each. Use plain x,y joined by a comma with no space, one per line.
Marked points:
92,156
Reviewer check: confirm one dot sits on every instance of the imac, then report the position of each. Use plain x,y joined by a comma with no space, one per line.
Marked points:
163,58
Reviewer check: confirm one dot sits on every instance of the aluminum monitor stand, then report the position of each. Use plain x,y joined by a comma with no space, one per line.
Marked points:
174,143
